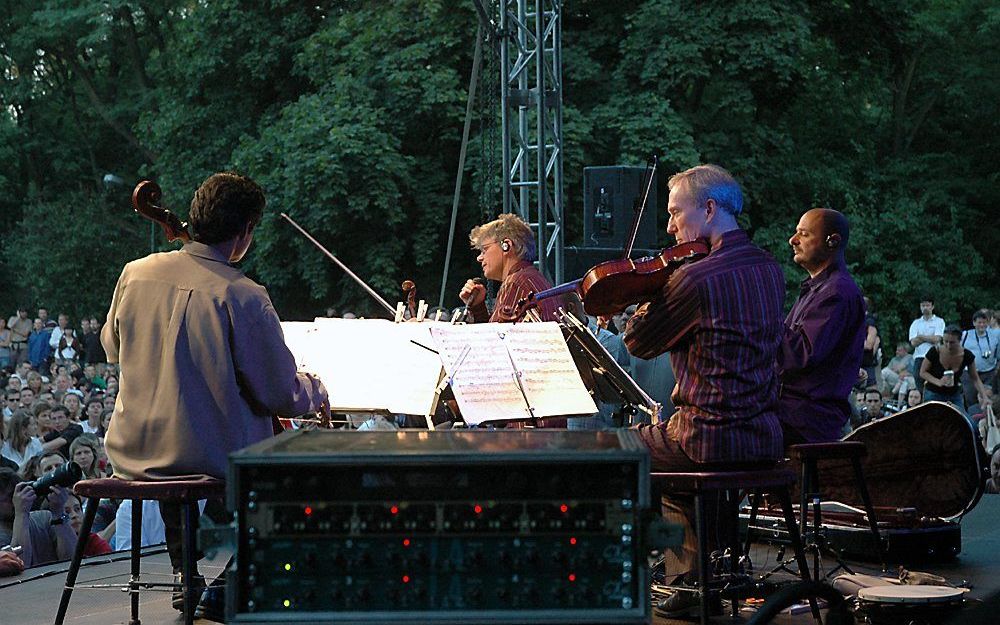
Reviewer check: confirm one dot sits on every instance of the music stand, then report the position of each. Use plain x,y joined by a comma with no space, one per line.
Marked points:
602,374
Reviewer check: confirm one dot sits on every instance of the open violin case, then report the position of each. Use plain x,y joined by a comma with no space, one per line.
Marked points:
925,469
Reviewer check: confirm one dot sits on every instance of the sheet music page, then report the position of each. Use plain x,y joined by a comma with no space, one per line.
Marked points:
479,357
480,372
548,373
368,364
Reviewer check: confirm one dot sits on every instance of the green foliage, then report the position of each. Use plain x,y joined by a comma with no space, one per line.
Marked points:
350,115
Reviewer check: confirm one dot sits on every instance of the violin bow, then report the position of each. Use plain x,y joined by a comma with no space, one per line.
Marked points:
329,254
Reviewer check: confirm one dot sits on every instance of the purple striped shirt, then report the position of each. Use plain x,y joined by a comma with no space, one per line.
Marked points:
721,319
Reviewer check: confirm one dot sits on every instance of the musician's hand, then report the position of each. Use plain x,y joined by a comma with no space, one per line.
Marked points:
472,293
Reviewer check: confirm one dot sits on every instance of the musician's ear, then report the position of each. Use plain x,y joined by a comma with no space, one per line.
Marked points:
711,207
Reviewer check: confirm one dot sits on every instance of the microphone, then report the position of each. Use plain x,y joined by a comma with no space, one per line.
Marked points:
465,311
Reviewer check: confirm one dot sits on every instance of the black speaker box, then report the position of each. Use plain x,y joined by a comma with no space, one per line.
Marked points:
609,197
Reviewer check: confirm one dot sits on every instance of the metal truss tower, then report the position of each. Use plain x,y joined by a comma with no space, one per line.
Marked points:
531,119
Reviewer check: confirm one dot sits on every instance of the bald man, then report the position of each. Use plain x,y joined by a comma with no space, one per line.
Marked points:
824,333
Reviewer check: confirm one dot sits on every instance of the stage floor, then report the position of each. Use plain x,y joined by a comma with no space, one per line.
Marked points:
32,597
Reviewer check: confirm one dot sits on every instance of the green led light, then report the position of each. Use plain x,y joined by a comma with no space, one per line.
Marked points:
288,567
286,603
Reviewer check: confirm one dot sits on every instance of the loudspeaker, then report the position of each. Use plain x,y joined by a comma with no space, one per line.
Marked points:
609,195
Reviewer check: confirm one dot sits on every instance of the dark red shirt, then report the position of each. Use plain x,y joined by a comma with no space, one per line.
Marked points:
523,280
720,319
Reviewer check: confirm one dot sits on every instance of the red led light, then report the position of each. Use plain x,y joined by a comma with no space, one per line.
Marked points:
394,510
572,540
564,508
572,577
478,509
406,542
406,579
308,511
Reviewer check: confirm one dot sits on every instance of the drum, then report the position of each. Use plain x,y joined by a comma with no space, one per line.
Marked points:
909,605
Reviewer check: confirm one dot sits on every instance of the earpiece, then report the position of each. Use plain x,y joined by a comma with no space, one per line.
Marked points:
833,241
505,245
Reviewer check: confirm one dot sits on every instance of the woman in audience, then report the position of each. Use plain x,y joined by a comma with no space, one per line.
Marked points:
21,440
95,545
85,451
942,369
105,421
914,398
74,407
92,425
35,383
42,410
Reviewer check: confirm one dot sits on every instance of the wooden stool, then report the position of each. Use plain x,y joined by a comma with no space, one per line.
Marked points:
184,492
809,454
772,480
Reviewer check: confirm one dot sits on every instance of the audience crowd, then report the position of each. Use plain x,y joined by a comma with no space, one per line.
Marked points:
59,394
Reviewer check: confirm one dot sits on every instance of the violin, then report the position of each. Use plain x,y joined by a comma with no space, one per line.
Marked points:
612,286
146,201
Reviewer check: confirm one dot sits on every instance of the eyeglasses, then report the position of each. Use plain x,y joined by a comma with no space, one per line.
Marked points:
486,246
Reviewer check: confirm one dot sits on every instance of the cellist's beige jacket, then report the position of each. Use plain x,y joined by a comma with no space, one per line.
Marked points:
204,366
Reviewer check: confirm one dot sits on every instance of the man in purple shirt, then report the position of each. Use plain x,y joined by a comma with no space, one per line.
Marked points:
720,319
824,333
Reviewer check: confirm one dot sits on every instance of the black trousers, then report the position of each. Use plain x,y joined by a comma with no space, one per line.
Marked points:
215,509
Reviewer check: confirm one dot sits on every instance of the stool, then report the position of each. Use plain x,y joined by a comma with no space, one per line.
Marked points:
772,480
809,454
184,492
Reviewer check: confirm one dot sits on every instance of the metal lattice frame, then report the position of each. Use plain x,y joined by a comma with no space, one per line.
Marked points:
531,111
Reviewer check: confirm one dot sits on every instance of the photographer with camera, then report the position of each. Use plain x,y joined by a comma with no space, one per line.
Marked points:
42,536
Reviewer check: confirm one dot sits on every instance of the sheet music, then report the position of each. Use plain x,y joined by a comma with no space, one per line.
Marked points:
481,360
368,364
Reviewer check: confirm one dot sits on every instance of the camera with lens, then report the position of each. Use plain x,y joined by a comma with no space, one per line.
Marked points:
66,475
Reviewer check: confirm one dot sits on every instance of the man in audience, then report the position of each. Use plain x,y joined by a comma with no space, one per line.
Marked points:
62,433
20,328
900,366
926,331
58,331
42,535
38,345
983,341
875,404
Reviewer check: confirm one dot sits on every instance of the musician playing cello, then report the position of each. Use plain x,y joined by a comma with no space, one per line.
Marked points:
506,250
204,365
721,320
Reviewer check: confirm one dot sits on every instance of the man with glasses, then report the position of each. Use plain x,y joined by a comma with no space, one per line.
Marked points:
506,252
12,403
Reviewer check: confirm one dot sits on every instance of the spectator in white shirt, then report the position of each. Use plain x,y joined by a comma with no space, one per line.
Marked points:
925,332
983,341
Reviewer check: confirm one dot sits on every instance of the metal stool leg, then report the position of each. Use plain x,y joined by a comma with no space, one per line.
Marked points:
703,563
859,478
136,554
793,535
733,514
188,557
74,568
755,497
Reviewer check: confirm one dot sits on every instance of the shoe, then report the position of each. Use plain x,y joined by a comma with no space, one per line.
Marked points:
685,604
212,606
177,598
